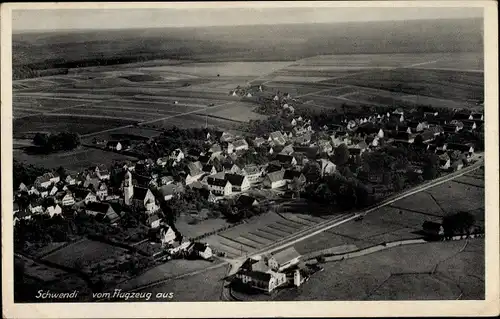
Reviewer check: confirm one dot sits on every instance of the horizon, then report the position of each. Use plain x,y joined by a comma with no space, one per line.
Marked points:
50,20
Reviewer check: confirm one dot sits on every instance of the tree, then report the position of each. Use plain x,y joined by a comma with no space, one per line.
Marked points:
458,223
41,139
296,186
418,141
341,155
431,167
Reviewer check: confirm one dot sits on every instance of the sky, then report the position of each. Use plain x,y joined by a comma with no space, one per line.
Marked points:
94,19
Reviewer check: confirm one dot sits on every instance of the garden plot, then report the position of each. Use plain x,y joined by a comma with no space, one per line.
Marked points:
470,181
238,111
291,78
402,217
455,197
294,89
365,229
420,202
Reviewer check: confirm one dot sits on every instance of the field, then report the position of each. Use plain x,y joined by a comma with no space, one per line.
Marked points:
205,286
440,270
73,160
171,268
84,253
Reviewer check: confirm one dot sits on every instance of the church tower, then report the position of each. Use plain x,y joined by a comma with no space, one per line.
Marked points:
128,188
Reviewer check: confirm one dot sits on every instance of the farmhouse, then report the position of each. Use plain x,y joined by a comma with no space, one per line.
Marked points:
275,179
167,235
239,183
153,221
166,180
144,199
102,172
35,206
290,175
170,191
84,195
102,209
444,161
238,145
66,199
231,168
286,159
284,259
53,210
265,281
259,141
277,138
46,180
220,187
252,172
209,169
200,250
162,161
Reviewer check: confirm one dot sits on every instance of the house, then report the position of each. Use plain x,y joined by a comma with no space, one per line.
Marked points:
169,191
53,191
325,146
215,149
417,126
177,155
303,139
469,125
200,250
432,228
144,199
221,187
277,138
476,116
53,210
85,195
239,183
252,173
265,281
167,235
275,179
259,141
91,180
102,191
195,172
46,180
66,199
464,148
114,146
226,137
162,161
271,151
340,138
247,201
327,167
404,137
166,180
208,195
457,165
102,172
209,169
444,161
22,187
153,221
287,150
238,145
286,159
35,206
427,136
231,168
102,210
290,175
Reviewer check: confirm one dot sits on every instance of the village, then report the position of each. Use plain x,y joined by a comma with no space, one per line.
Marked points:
241,176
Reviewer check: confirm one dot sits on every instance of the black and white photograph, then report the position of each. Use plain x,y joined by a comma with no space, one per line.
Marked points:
250,152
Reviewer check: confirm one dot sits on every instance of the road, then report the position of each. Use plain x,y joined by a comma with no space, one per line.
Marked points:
321,227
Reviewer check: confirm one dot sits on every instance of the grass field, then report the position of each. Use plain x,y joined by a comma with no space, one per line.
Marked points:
171,268
205,286
86,253
400,273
